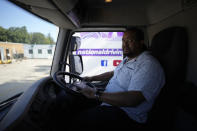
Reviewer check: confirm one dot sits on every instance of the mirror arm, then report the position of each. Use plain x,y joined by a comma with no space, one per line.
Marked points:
65,63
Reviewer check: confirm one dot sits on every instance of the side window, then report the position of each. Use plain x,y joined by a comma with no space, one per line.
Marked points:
100,51
49,51
39,51
30,51
27,45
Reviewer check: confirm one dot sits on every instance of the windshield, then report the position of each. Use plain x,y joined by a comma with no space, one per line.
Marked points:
101,51
27,45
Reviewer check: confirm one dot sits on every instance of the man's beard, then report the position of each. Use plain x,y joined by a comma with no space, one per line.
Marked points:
132,54
129,54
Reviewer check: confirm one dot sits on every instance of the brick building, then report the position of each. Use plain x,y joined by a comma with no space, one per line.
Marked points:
9,51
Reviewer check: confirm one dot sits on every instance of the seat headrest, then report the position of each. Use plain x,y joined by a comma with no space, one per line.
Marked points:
169,46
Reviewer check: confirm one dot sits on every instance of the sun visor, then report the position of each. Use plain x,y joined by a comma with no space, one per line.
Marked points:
50,10
54,16
67,8
65,5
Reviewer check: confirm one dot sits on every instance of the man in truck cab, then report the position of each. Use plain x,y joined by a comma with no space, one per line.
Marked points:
130,94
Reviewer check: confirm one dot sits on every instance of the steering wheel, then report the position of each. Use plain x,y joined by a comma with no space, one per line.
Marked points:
59,79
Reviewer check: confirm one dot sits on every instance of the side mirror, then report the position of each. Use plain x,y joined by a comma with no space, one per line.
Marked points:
75,43
76,64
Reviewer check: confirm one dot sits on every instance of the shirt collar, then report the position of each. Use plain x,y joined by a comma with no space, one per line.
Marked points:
140,56
131,61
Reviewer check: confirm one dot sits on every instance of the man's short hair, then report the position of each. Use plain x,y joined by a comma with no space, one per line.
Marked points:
139,34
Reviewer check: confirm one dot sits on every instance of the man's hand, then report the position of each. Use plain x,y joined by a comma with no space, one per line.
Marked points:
88,91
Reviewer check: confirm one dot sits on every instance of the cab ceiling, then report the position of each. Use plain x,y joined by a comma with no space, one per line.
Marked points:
82,13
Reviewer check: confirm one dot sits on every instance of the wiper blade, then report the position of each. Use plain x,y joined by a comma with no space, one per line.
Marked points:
10,100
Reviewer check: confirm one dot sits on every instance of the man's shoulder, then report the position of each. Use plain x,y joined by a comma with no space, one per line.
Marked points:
147,59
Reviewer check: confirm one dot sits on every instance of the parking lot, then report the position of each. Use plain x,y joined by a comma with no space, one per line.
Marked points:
20,75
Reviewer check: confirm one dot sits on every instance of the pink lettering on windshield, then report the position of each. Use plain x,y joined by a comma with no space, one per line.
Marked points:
98,35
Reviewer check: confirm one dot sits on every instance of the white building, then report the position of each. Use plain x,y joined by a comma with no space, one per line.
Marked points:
39,51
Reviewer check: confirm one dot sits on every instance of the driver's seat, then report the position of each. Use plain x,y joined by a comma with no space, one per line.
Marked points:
169,46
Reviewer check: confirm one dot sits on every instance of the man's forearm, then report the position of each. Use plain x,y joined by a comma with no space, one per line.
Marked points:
103,77
124,99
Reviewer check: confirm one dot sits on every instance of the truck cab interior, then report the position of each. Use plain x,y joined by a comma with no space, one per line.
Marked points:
170,35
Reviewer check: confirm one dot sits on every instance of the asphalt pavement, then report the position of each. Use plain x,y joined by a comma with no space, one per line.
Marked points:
20,75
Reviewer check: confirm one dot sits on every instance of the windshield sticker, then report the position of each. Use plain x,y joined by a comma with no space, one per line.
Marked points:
102,35
103,62
116,62
99,52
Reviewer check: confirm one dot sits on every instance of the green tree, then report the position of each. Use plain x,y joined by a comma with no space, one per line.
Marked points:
3,34
38,38
50,39
20,35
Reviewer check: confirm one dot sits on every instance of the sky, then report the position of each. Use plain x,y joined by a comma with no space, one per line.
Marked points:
13,16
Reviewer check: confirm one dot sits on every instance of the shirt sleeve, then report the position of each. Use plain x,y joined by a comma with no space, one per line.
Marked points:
149,79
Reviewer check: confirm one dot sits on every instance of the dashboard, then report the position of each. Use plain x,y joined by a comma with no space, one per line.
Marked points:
35,108
30,109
